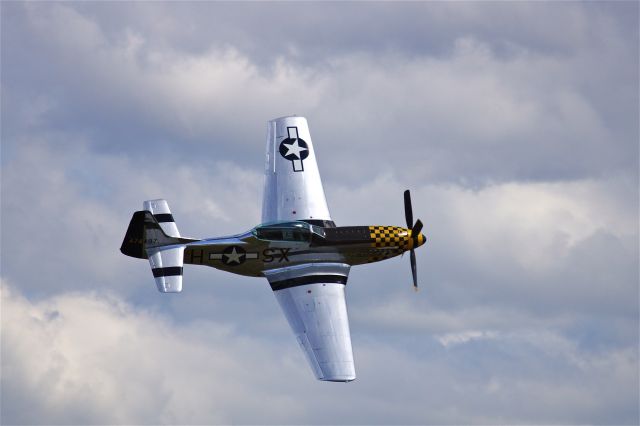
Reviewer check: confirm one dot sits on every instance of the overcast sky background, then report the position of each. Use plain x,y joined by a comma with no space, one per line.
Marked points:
514,124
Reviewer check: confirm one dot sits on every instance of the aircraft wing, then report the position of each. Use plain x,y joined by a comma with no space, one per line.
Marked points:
293,189
312,298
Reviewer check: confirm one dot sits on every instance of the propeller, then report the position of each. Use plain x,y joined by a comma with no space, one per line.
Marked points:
415,231
408,211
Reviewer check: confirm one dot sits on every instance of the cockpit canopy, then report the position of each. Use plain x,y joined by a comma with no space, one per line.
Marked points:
297,231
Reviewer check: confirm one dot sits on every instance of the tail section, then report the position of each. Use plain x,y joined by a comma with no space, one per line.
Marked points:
153,235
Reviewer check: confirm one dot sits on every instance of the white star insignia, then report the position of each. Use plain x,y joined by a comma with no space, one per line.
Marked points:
233,257
294,148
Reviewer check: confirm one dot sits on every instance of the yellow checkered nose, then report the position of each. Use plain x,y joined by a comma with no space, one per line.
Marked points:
395,237
390,236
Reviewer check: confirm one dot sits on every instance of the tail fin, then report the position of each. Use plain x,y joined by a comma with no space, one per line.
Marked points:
155,236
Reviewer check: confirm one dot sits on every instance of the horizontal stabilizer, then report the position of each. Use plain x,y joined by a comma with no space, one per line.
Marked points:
160,211
166,266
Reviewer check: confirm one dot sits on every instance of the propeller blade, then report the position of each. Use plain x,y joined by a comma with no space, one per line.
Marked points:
415,231
408,211
414,269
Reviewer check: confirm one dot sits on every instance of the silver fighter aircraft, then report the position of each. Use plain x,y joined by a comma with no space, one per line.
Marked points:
301,252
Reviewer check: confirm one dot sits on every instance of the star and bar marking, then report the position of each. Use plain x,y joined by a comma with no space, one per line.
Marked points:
236,255
294,149
233,255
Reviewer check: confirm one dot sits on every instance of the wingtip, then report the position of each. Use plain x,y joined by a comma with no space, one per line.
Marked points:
345,380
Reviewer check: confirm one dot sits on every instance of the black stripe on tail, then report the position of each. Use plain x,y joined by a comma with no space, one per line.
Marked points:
164,217
166,272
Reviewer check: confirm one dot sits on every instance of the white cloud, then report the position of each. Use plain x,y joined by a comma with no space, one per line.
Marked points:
450,339
538,224
90,358
87,358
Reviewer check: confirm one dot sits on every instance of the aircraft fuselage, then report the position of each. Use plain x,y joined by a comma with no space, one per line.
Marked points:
247,254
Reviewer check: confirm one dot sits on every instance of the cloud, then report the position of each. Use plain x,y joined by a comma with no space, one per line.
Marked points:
469,115
93,358
565,246
464,337
517,139
63,223
87,358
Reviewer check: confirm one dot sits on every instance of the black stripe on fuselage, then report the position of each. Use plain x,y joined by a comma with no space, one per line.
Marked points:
165,272
310,279
163,217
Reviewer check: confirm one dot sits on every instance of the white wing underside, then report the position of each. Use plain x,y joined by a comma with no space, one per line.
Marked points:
317,314
292,187
312,298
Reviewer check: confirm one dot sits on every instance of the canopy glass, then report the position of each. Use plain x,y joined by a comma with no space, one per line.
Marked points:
288,231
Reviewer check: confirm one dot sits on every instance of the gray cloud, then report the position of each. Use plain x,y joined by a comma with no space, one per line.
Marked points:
470,115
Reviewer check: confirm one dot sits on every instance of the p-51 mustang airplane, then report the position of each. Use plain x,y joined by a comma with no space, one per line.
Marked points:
298,248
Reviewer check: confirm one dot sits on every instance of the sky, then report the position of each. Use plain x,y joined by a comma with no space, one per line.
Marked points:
514,124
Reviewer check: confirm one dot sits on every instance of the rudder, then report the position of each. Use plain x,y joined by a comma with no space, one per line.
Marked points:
133,243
